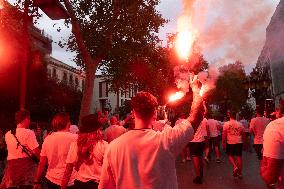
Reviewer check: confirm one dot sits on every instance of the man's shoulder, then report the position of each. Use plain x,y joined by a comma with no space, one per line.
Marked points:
120,141
278,122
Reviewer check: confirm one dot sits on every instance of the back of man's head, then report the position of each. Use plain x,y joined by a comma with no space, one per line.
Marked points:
144,104
259,110
232,114
21,115
60,121
113,120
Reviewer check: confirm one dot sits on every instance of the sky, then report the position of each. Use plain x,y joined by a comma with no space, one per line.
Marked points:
228,30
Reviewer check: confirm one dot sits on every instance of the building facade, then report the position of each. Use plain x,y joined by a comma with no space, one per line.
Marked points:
106,99
65,74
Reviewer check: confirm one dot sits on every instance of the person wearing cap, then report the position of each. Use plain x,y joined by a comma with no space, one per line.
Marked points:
144,158
54,153
86,155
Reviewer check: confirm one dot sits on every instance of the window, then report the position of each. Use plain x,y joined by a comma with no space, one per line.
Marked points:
49,72
76,82
83,84
64,79
71,82
54,74
129,91
121,102
103,89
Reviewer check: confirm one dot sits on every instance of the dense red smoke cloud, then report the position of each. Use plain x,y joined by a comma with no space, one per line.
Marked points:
230,30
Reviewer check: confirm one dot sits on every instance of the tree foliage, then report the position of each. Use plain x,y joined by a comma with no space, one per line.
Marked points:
230,92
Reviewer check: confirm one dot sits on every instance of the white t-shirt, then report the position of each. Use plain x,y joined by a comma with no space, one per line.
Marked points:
56,147
26,137
160,125
88,172
273,143
273,139
245,124
144,158
213,127
234,131
257,126
201,132
113,131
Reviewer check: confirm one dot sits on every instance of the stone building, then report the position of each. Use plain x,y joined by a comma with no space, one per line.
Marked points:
66,74
272,55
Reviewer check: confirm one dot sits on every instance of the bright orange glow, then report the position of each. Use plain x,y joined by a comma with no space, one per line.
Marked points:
184,43
176,96
1,4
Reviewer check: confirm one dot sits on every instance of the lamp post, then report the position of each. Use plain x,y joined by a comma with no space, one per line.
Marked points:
55,11
258,83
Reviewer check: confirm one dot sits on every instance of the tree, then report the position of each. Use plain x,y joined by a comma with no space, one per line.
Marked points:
230,92
110,34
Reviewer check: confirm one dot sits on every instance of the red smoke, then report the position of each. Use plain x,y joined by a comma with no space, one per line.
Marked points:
230,30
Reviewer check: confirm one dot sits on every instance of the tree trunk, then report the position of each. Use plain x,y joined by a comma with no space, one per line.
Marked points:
87,105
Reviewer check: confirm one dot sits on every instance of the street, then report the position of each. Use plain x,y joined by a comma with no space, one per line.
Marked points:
219,176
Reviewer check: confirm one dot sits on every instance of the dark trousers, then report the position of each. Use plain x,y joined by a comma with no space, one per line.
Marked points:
86,185
51,185
258,149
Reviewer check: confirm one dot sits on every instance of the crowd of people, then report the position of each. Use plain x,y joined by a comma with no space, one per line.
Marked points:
102,153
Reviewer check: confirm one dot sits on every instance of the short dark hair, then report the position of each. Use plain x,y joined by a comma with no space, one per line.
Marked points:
60,121
259,110
90,123
232,114
21,115
144,104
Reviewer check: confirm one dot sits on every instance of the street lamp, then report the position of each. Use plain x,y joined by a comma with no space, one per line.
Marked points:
54,10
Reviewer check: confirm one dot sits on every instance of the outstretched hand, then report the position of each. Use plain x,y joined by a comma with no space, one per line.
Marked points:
194,84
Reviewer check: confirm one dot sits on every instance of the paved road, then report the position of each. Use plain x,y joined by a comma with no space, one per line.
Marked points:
219,176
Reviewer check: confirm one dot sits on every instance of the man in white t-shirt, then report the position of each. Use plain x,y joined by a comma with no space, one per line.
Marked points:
257,127
272,165
245,123
114,130
214,127
196,146
20,168
232,140
54,152
144,158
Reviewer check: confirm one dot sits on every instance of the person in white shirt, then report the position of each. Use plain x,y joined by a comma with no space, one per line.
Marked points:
86,155
54,153
196,146
232,140
185,153
245,123
22,148
144,158
272,165
114,130
214,127
257,127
